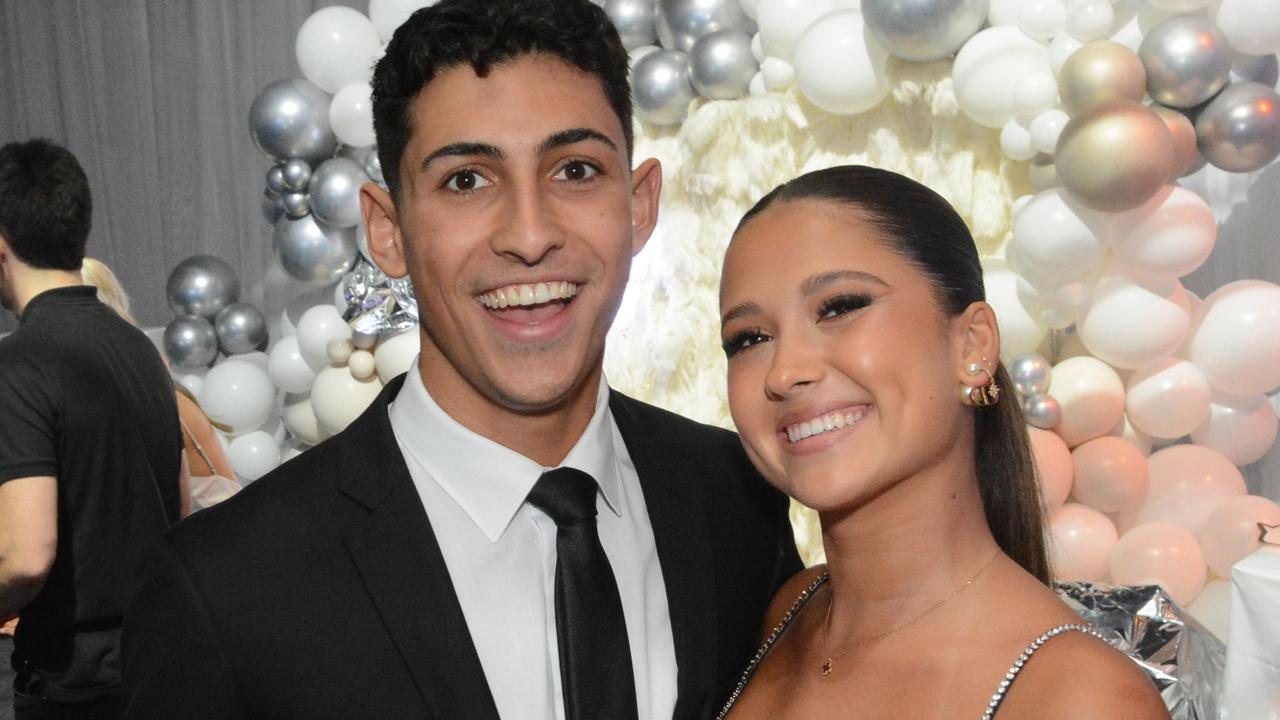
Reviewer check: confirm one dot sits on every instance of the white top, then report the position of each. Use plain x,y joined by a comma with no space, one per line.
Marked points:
501,552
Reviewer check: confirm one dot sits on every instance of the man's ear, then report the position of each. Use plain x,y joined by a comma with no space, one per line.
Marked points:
646,193
382,228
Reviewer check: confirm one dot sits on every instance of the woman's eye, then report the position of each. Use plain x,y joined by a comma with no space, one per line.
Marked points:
842,305
577,171
465,181
743,341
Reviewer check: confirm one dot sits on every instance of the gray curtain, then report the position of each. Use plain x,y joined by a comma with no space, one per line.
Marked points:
153,96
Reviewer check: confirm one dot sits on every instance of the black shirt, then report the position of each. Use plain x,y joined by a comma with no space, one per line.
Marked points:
85,397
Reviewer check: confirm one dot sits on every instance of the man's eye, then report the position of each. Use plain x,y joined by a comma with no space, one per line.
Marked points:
743,341
465,181
577,171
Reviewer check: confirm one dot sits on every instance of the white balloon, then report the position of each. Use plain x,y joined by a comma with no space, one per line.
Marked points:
396,354
287,368
1020,331
253,455
1251,26
1131,325
290,452
316,328
1042,19
1168,236
1241,428
1061,50
778,74
300,418
1045,129
351,115
336,47
1167,400
1080,542
1057,237
840,67
1236,341
239,394
1212,607
1092,398
191,379
988,68
361,364
387,15
1003,12
1134,19
757,48
1015,141
757,88
1179,6
1034,93
750,8
782,22
338,398
1090,19
1125,429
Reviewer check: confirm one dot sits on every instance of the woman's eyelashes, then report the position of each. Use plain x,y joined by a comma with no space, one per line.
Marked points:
743,340
841,305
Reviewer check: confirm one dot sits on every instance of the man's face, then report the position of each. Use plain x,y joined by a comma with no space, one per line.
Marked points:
517,219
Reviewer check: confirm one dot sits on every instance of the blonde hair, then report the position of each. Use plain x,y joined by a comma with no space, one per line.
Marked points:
110,292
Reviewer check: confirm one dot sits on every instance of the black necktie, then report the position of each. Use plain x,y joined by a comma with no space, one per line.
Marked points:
595,656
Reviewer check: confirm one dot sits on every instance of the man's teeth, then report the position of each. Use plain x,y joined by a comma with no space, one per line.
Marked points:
825,423
521,295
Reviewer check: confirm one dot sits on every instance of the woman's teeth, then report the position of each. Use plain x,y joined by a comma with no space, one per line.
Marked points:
528,294
826,423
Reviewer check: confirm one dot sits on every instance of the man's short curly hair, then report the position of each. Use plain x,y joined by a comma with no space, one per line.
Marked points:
482,34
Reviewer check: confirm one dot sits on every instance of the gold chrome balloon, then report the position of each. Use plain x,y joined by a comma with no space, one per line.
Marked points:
1114,155
1101,70
1183,132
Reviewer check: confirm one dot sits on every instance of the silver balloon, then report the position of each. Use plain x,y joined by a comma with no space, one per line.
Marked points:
312,253
190,342
634,20
296,204
1239,131
1030,374
241,328
202,285
661,88
1042,411
272,206
721,65
290,118
275,179
373,166
681,22
335,192
922,30
1257,68
297,173
1188,60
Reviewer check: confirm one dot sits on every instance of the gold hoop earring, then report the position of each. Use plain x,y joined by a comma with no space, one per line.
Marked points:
984,395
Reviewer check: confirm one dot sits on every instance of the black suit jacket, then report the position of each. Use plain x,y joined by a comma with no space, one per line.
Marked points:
320,591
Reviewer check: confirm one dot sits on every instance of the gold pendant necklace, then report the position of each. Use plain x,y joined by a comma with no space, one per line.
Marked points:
829,664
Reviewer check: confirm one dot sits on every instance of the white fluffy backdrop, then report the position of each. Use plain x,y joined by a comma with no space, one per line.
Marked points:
665,346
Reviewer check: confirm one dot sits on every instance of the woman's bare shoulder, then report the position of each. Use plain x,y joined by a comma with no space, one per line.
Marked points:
787,595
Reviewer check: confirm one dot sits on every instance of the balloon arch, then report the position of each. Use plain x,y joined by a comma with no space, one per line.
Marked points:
1059,129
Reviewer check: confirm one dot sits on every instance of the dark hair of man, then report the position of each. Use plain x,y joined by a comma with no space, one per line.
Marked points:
482,34
45,208
924,229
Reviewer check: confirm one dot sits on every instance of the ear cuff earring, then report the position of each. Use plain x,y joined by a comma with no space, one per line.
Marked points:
984,395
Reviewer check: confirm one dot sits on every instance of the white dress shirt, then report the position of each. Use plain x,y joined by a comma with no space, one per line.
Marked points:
501,552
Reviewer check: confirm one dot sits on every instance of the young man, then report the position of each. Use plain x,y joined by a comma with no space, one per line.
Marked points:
499,535
90,447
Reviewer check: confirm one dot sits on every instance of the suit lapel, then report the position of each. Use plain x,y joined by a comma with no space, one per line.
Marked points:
397,555
684,552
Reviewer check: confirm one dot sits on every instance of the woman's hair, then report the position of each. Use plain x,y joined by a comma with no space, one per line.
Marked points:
110,292
184,392
923,228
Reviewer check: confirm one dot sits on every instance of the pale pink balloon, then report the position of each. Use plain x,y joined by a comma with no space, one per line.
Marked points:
1080,543
1241,428
1161,554
1187,482
1110,474
1091,395
1168,399
1053,466
1231,532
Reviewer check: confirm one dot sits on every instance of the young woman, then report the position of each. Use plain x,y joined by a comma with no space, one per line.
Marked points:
865,380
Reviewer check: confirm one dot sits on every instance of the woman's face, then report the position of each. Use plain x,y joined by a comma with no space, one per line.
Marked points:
843,371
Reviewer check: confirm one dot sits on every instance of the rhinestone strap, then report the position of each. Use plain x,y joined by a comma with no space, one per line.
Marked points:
774,635
1035,645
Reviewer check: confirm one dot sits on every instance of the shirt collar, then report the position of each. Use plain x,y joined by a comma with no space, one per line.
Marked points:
487,480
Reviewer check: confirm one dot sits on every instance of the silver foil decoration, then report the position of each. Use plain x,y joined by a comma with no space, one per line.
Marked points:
377,303
1181,657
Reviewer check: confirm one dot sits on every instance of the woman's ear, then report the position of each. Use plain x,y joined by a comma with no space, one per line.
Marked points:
382,229
977,335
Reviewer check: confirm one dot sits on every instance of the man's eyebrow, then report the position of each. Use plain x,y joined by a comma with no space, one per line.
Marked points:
464,149
572,136
815,283
745,309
